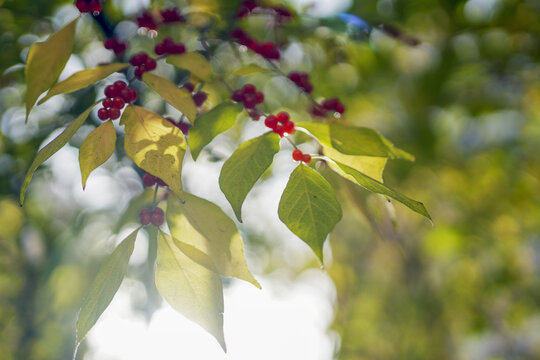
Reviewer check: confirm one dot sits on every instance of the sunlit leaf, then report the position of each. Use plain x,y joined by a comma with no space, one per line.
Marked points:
245,166
190,288
370,165
309,207
155,145
208,125
82,79
45,62
203,225
51,148
179,98
11,219
378,187
250,70
105,285
194,62
97,148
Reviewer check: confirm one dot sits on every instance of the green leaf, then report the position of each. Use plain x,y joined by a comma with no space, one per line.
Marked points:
179,98
208,125
190,288
378,187
245,166
97,148
82,79
51,148
45,62
250,70
309,207
105,286
194,62
203,225
155,145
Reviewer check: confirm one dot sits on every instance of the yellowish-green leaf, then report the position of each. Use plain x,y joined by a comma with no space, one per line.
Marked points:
193,62
51,148
155,145
45,62
210,124
190,288
11,219
82,79
309,207
245,166
378,187
179,98
105,285
250,70
370,165
203,225
97,148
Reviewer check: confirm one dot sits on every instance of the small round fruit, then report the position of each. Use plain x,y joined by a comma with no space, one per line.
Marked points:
111,91
158,217
120,85
148,180
249,89
107,103
103,114
189,86
297,155
288,127
114,113
145,216
138,59
283,117
199,98
271,121
118,102
306,158
238,95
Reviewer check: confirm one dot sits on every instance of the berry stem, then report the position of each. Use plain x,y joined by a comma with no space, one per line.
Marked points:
156,187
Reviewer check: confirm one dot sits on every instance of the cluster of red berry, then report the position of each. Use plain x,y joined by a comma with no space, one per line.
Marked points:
93,6
248,95
199,97
301,79
280,124
168,47
151,180
118,94
298,155
182,125
166,16
142,63
156,216
267,50
332,104
248,6
115,45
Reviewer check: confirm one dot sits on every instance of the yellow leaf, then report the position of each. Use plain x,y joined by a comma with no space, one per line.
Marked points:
203,225
155,145
193,62
190,288
179,98
96,149
82,79
45,62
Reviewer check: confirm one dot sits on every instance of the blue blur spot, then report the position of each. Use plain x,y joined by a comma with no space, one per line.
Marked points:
355,22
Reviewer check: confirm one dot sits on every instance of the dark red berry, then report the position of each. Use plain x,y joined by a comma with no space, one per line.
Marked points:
271,121
114,113
340,108
139,71
120,48
120,85
118,102
177,49
103,114
146,20
250,101
254,114
158,217
160,182
184,127
259,97
297,155
317,111
171,15
150,64
148,180
189,86
306,158
111,91
282,117
138,59
238,34
95,7
82,6
159,49
329,104
107,103
199,98
110,43
238,95
249,89
145,216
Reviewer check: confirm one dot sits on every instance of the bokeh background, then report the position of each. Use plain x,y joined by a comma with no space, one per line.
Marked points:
465,102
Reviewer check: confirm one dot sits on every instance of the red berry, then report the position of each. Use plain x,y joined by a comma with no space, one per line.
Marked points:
238,34
110,43
160,182
259,97
119,48
82,6
111,91
95,7
107,103
145,216
148,180
146,20
189,86
250,101
329,104
159,49
279,130
199,98
171,15
114,113
271,121
178,49
184,127
297,155
158,217
340,108
138,59
139,71
288,127
150,64
317,111
120,85
306,158
238,95
103,114
128,95
254,114
118,102
249,89
283,117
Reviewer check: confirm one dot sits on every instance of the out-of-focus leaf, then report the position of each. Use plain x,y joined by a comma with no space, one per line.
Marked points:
82,79
250,70
51,148
245,166
105,285
155,145
98,146
193,62
11,219
179,98
190,288
378,187
45,62
208,125
203,225
309,207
